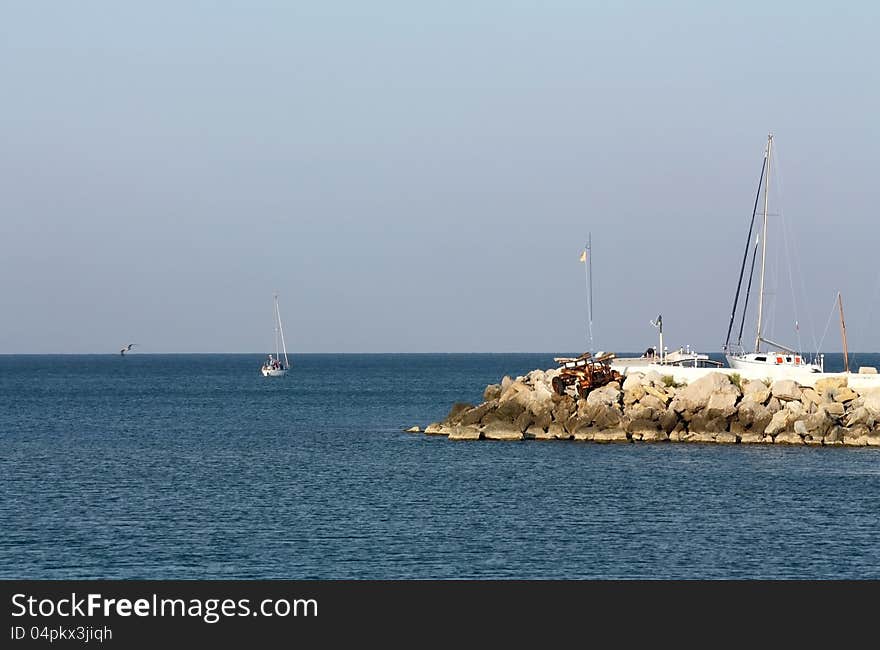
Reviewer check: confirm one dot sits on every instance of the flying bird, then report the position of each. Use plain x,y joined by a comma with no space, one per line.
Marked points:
126,348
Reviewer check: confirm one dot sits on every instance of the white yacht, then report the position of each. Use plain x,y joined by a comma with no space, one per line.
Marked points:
774,360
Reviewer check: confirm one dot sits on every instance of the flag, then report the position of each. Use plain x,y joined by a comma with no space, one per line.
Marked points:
584,256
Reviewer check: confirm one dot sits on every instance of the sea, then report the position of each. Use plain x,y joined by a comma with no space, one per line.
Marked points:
194,466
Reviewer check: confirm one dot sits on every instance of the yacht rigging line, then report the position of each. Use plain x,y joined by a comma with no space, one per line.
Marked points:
792,259
743,268
828,323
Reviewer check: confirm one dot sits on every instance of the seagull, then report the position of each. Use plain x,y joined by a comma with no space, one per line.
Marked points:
126,348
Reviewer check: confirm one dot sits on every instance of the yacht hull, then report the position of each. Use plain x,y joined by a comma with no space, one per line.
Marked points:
769,368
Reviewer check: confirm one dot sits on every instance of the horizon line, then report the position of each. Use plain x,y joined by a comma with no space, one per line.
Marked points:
136,354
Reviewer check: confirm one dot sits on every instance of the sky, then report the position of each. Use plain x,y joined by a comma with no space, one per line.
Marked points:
422,177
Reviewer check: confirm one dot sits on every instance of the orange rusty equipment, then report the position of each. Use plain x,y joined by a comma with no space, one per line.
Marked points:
585,372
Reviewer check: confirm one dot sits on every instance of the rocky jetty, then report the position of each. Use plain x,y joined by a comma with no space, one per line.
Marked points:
650,407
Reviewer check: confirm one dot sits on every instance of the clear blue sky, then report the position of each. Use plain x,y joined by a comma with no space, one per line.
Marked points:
421,177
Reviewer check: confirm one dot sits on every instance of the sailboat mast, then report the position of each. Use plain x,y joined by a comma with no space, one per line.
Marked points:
281,330
843,333
275,322
588,269
764,243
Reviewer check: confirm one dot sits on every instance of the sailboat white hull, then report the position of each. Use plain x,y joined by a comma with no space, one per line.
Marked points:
772,364
273,372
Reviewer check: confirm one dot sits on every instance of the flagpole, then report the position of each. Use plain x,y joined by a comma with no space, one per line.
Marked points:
588,259
590,265
659,325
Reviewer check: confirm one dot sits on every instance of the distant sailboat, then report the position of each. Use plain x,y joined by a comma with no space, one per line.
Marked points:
274,366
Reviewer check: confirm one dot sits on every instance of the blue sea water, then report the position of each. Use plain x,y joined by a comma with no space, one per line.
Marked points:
195,466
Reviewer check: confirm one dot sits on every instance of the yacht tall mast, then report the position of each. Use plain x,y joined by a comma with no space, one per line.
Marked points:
764,243
275,323
279,330
843,333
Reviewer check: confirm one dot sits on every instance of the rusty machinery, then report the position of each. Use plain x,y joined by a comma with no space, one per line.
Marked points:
585,372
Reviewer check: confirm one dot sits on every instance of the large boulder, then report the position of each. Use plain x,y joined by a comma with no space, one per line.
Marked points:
464,432
752,438
515,390
499,430
721,405
632,381
856,436
633,394
786,390
510,410
492,391
871,401
638,426
583,431
606,417
524,421
788,438
778,423
816,425
537,433
834,409
860,415
536,377
458,409
558,431
844,394
563,408
639,412
542,393
669,420
695,396
704,423
436,429
753,415
811,396
542,420
474,415
829,384
654,403
608,395
662,394
677,432
756,391
647,432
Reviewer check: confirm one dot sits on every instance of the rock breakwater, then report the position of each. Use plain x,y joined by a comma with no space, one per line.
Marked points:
650,407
